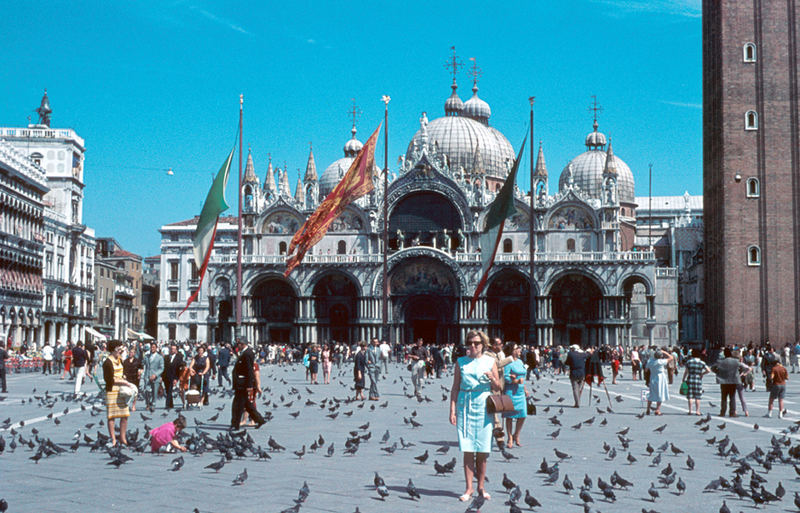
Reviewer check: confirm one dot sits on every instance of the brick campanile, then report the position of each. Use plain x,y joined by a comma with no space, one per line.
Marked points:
751,171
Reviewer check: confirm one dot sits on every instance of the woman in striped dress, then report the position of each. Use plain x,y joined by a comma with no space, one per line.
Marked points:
117,407
693,376
475,377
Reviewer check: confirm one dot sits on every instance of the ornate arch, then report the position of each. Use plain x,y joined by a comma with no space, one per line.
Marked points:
251,283
312,282
633,278
280,219
583,271
399,257
572,216
440,184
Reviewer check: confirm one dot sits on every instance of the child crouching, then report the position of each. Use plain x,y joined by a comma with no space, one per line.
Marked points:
165,434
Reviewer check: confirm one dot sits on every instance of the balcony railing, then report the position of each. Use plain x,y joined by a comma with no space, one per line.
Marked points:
124,291
42,133
567,256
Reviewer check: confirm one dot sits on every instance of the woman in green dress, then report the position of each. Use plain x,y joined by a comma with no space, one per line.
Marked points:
514,378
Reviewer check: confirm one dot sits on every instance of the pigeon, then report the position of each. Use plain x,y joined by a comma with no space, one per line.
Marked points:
507,483
385,437
631,459
391,449
585,496
378,480
587,482
383,492
177,463
330,450
531,501
653,492
561,455
780,491
217,465
300,453
507,455
443,449
302,493
515,495
660,429
240,478
440,469
724,508
422,458
476,504
411,490
689,462
681,485
567,484
609,495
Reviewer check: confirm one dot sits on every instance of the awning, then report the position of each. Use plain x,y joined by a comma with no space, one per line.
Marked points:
136,334
94,333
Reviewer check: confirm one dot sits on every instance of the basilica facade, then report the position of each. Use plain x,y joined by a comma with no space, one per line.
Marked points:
590,285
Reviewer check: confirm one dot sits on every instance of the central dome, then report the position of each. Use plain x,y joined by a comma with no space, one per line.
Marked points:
335,172
460,137
587,170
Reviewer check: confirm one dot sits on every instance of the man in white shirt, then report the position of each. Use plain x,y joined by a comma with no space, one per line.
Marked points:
47,356
386,351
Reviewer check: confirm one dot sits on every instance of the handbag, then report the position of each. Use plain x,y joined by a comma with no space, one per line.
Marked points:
531,405
499,403
684,388
127,394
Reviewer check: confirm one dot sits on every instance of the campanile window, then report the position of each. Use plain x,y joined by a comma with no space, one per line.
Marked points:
749,52
751,120
753,188
754,256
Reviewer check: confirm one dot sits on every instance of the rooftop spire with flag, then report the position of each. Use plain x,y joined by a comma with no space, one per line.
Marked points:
356,183
501,209
206,231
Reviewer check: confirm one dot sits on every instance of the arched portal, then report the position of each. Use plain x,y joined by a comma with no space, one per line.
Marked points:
223,330
508,304
421,219
424,295
274,309
335,303
576,303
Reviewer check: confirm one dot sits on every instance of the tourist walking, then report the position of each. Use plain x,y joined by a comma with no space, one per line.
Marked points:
728,370
3,358
79,361
659,381
223,361
360,370
243,379
172,368
116,403
778,376
326,363
576,361
47,358
418,357
200,371
514,387
693,373
153,368
476,376
636,365
742,379
386,352
67,356
374,369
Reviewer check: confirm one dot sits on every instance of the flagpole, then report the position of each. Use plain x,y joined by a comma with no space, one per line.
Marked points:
238,330
532,246
385,291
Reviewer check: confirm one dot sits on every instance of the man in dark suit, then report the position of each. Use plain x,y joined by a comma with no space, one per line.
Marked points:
244,378
171,366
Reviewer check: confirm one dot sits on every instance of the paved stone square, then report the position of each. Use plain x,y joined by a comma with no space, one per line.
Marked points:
84,481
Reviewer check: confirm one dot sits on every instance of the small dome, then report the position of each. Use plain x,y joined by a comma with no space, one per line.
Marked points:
595,139
334,173
476,108
353,146
453,105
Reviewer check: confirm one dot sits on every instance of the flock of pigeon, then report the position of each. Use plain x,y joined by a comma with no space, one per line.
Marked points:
624,458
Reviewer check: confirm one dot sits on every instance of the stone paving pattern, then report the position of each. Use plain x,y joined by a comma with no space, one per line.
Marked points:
83,480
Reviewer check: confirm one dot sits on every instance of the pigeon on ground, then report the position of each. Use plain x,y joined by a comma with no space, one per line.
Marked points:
507,483
378,480
177,463
422,458
240,478
531,501
383,492
653,492
217,465
411,490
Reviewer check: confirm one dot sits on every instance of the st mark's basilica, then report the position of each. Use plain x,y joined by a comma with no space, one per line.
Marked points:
591,284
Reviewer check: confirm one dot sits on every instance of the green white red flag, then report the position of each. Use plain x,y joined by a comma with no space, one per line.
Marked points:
206,231
356,183
501,209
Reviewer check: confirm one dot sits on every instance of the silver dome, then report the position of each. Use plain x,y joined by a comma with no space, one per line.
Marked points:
334,173
458,137
587,174
453,105
476,108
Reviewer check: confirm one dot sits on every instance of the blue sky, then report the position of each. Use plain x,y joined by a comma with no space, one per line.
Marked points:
155,85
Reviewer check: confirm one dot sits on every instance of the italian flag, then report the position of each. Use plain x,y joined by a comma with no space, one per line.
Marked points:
501,209
206,231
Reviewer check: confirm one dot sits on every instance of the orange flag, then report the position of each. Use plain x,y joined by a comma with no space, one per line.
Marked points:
356,183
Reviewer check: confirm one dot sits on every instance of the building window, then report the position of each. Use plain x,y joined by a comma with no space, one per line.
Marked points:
571,245
173,270
282,248
754,256
508,246
751,120
193,332
195,272
173,296
753,188
749,52
171,330
341,248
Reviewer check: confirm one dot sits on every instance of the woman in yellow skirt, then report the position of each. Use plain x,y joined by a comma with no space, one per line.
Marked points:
117,407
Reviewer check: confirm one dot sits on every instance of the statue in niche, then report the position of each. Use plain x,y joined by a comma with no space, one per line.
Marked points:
415,240
462,241
401,239
373,220
447,240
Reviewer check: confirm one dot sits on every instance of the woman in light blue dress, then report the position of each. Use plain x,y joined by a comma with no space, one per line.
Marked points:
514,377
659,381
475,377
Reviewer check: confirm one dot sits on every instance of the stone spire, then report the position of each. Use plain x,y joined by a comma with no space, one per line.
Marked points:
269,180
285,190
299,197
610,168
541,167
250,170
44,110
311,167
